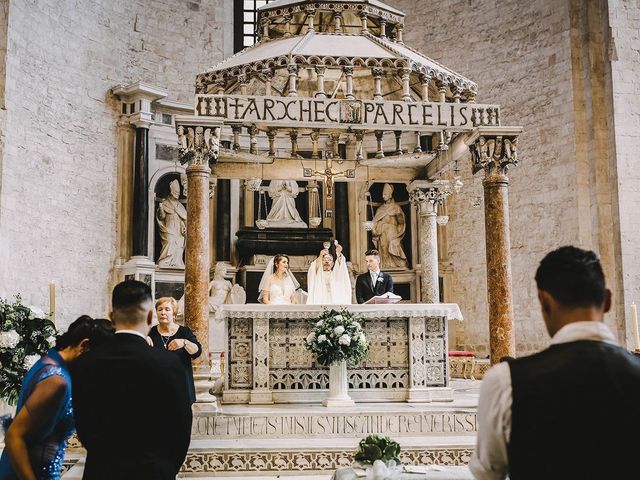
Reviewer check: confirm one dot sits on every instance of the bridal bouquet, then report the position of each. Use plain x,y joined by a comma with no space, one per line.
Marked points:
25,335
338,336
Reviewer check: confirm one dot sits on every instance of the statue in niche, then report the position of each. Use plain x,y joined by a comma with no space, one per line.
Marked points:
388,231
283,211
171,217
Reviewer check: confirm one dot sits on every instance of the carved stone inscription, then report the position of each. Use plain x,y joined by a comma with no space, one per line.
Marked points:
325,112
333,425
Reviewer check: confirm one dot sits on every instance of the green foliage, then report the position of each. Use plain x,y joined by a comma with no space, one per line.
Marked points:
338,336
24,336
375,447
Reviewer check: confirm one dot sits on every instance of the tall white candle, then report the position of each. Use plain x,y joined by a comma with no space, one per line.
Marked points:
634,324
52,301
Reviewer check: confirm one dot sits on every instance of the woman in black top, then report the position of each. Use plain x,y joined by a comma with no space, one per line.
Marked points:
175,338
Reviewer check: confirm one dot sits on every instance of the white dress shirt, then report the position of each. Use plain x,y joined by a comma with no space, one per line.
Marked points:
489,461
374,277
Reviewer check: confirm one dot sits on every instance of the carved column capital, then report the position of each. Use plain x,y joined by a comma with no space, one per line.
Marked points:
494,154
320,69
426,198
348,69
377,71
198,145
221,85
424,78
292,68
404,72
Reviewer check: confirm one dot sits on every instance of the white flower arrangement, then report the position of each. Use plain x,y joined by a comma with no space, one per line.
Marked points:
338,336
25,335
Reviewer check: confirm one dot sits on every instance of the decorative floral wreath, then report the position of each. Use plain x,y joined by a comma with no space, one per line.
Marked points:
338,336
25,335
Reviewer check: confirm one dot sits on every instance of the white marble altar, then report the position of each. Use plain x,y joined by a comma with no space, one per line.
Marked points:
269,363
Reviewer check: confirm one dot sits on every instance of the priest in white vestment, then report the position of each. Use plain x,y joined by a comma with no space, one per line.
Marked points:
328,282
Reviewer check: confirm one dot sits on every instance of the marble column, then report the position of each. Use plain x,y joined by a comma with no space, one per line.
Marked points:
377,86
494,155
348,73
196,274
140,227
320,71
426,198
198,151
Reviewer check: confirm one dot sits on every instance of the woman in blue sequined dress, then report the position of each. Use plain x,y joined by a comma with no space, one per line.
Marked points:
36,438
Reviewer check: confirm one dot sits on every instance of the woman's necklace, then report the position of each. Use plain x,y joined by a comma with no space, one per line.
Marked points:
165,340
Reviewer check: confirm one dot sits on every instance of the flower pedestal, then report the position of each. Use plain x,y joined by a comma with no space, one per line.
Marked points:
338,386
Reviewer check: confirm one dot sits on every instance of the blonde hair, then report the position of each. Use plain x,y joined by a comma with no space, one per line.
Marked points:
170,300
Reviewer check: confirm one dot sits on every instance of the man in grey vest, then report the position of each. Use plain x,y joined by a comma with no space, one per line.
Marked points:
565,412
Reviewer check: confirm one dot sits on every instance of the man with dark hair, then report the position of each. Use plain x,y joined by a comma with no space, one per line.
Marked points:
373,282
132,408
565,412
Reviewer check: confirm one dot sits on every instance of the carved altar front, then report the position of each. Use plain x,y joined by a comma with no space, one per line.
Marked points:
269,363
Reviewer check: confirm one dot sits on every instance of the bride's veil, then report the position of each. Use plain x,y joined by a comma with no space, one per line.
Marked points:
264,281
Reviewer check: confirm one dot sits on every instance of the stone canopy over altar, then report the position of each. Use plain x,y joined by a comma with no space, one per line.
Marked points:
328,128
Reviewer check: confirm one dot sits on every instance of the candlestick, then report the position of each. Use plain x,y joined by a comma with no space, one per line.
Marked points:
52,301
634,324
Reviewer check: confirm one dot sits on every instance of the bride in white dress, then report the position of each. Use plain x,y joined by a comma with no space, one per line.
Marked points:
278,285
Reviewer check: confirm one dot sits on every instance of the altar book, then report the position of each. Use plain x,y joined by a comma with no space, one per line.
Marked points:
384,298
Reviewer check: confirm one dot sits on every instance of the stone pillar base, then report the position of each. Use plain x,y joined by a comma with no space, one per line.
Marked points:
205,400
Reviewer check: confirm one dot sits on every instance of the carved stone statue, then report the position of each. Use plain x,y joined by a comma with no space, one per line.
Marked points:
171,217
221,290
283,211
388,231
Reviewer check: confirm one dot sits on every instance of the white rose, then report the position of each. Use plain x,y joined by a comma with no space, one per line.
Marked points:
338,318
322,338
30,360
51,341
339,330
311,337
319,323
9,339
36,312
362,339
345,340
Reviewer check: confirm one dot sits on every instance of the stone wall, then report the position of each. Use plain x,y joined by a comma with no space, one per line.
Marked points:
624,52
533,59
58,196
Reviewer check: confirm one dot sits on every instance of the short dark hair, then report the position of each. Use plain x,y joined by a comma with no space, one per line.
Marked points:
573,277
96,330
373,252
130,293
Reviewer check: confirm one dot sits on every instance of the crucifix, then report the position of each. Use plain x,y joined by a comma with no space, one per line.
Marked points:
329,174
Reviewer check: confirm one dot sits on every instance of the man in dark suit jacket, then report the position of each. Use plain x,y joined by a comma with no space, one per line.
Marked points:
131,404
374,282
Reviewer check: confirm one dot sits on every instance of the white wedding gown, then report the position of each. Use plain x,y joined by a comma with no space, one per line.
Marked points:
280,291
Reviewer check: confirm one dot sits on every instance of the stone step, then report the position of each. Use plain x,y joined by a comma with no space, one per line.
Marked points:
241,458
315,421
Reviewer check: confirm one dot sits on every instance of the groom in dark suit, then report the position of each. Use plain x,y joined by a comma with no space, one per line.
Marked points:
373,282
132,409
